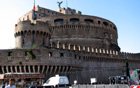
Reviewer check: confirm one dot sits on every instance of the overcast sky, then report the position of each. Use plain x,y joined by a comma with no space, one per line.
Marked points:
124,13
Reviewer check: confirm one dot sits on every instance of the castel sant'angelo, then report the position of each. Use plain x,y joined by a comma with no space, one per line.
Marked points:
66,43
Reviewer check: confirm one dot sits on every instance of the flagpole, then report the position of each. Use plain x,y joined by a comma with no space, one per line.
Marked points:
34,16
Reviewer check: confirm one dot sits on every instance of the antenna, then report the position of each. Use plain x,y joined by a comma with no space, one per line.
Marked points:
66,3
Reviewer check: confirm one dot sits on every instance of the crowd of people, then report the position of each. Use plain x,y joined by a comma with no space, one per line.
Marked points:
9,84
19,84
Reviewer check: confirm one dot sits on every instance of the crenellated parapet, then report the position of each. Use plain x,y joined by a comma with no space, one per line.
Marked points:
101,52
69,46
69,11
40,12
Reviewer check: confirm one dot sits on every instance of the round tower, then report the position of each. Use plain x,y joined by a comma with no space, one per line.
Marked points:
31,35
83,30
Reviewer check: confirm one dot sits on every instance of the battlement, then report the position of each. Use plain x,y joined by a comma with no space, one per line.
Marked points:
32,26
72,53
69,11
96,52
40,12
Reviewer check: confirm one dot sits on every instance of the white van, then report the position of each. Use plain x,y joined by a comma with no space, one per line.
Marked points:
53,81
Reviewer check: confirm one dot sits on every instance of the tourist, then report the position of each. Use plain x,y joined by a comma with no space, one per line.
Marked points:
11,84
3,85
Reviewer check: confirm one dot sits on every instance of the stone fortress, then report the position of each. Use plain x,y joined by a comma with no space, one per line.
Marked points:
66,43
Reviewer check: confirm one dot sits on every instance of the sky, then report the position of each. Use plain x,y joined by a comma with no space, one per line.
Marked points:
125,14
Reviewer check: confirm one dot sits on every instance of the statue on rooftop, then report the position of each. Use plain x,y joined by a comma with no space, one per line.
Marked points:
59,3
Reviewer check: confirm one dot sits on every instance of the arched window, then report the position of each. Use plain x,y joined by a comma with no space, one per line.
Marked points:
74,20
115,28
105,23
99,22
58,21
88,21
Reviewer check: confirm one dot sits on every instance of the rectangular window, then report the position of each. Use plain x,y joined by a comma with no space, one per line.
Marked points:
79,57
61,54
75,56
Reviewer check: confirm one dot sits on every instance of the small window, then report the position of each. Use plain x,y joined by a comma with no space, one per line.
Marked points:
23,41
105,23
61,54
75,56
50,54
114,28
88,21
79,57
74,20
58,21
99,22
9,53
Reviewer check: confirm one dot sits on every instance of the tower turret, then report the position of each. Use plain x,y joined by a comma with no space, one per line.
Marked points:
29,34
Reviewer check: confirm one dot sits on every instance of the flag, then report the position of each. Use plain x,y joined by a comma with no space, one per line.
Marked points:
34,16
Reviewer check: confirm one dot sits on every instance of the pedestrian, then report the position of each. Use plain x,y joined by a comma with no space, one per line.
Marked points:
3,85
11,84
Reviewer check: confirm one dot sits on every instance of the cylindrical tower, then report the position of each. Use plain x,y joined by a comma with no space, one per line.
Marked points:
83,30
32,35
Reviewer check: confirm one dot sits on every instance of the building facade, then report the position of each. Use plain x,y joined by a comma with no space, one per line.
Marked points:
66,43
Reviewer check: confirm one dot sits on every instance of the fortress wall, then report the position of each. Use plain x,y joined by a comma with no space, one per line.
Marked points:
101,52
82,31
54,60
89,51
102,69
83,36
76,63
